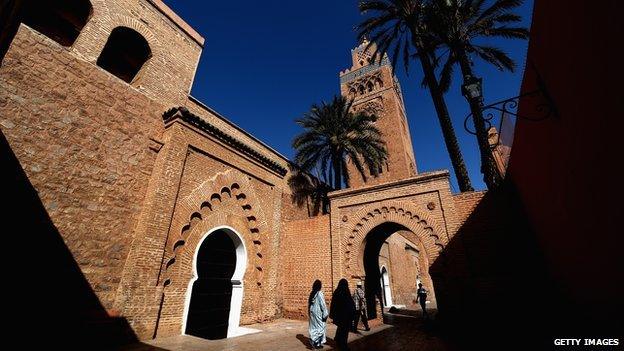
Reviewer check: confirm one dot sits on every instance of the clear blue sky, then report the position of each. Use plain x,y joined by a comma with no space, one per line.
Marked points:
265,62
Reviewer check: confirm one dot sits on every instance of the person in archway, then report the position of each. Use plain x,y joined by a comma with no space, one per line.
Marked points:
341,312
360,307
421,296
317,311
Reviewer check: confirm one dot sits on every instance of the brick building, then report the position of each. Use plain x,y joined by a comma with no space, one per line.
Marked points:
144,199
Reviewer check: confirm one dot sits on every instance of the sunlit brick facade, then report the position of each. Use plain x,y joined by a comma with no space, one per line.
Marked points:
135,173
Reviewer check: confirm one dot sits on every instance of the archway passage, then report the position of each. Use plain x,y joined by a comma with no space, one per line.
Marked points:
209,309
390,249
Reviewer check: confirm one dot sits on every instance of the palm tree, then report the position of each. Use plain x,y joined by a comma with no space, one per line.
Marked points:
333,136
305,186
399,26
456,25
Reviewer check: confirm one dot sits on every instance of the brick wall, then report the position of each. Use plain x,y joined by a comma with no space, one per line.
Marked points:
465,204
90,145
167,76
385,100
222,123
85,150
403,270
306,256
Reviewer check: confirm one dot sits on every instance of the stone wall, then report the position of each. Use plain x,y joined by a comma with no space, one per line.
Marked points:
85,150
168,75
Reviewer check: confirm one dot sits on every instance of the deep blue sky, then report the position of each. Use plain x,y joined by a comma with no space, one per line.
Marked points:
265,62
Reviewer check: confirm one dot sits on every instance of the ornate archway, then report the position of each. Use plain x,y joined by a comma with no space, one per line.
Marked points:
225,201
426,229
379,221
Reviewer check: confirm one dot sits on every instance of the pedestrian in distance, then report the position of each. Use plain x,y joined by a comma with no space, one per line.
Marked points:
359,299
421,296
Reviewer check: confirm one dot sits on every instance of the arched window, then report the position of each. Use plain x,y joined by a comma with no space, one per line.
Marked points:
60,20
125,53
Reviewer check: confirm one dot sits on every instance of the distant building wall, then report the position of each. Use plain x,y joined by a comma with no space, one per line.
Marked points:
404,269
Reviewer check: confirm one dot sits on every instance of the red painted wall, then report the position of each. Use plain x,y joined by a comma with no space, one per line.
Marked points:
566,169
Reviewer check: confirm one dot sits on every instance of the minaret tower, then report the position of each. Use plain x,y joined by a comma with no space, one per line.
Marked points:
375,89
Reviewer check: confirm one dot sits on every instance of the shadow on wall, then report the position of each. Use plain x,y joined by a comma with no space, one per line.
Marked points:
10,16
491,282
51,301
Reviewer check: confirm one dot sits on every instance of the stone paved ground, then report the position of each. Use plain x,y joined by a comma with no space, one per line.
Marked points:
402,332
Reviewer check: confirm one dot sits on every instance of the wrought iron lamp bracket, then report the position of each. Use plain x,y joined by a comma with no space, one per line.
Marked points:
544,109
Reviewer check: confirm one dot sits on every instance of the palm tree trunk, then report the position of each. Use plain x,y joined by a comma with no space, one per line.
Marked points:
452,146
491,175
337,170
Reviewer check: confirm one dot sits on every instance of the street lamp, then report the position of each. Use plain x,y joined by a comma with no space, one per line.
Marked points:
472,88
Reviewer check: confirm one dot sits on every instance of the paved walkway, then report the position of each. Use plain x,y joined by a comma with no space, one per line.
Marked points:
403,332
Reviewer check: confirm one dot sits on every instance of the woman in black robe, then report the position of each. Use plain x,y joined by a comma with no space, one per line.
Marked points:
342,311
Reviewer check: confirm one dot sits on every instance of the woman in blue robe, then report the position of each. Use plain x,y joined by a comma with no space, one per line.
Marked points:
317,310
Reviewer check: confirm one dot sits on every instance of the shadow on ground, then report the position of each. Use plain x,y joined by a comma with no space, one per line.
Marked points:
408,331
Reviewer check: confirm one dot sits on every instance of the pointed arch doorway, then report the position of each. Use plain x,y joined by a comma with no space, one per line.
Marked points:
215,294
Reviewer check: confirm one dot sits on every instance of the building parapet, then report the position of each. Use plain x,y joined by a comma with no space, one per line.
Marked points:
178,21
235,126
185,115
421,178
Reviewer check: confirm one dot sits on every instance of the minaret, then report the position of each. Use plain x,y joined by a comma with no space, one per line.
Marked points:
375,89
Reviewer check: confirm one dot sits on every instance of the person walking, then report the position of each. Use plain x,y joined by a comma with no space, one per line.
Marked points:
341,312
421,296
317,312
359,299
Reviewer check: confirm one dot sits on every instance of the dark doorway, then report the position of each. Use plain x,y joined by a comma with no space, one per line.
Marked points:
125,53
60,20
209,310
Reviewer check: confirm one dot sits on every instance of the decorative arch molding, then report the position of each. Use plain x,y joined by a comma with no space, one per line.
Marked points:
370,83
373,107
133,23
406,214
221,199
